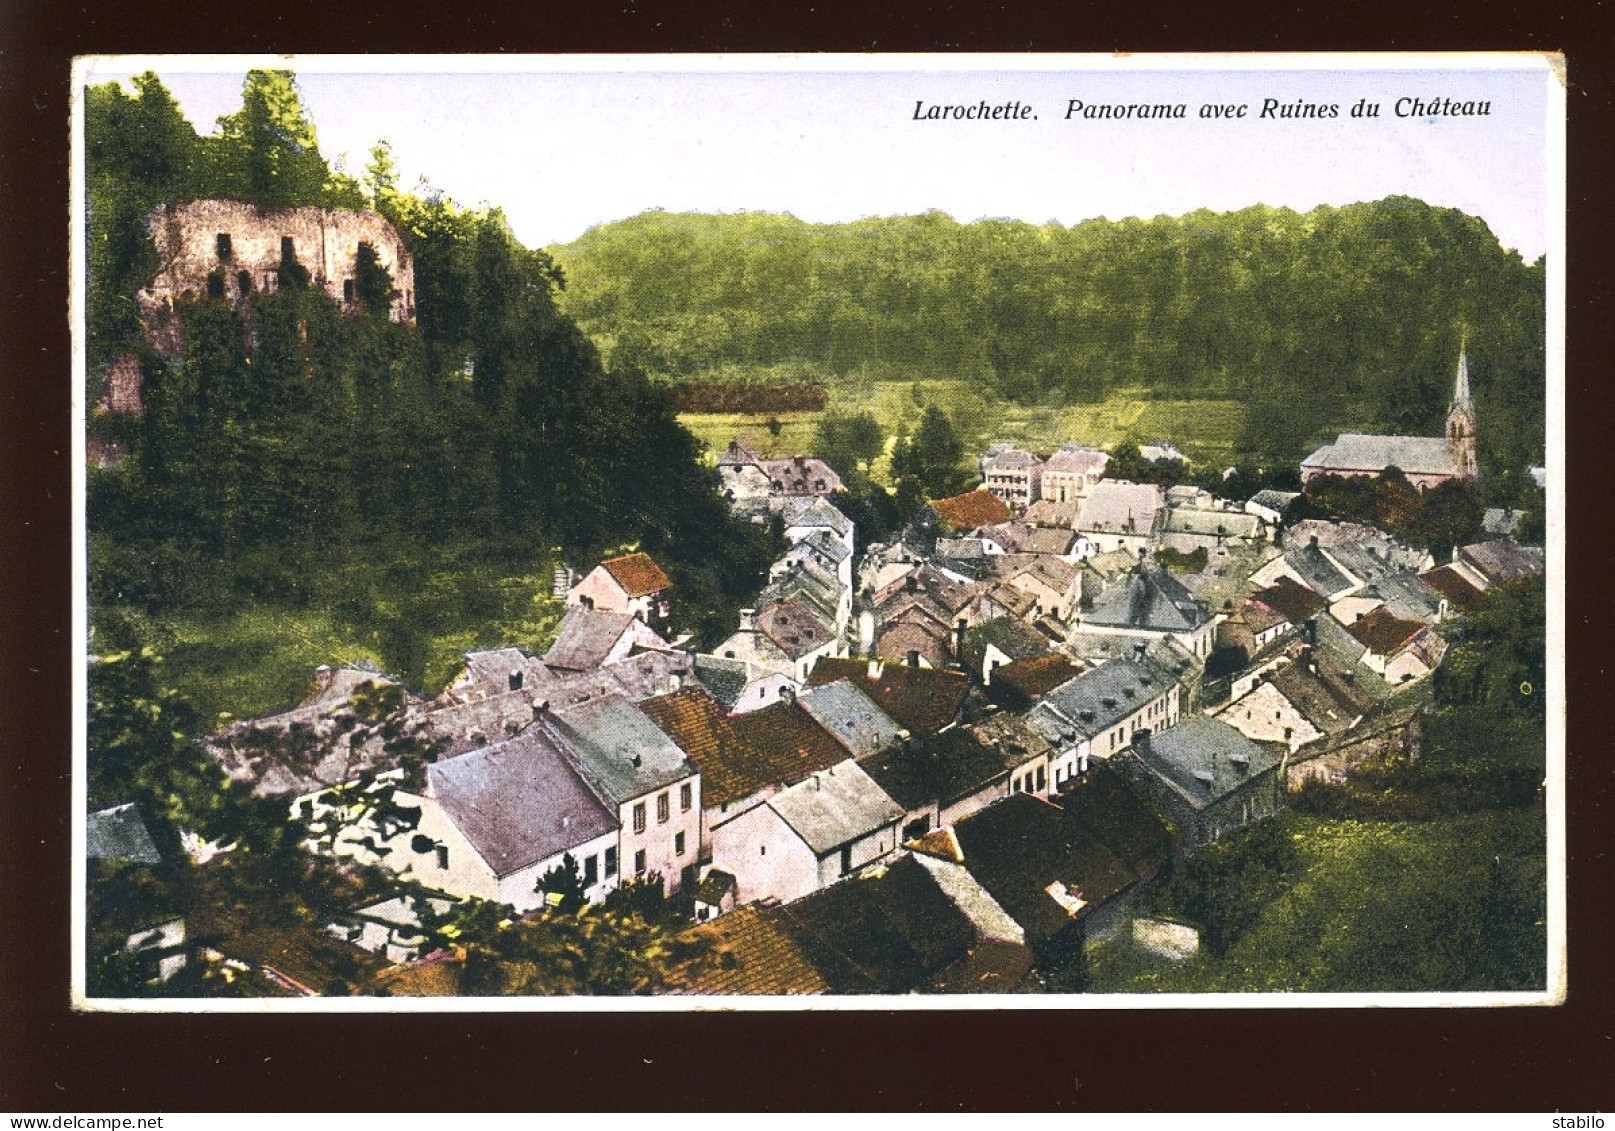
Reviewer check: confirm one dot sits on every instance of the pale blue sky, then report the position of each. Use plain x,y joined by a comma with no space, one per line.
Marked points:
562,152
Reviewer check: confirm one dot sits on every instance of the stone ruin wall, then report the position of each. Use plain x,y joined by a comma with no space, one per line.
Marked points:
325,241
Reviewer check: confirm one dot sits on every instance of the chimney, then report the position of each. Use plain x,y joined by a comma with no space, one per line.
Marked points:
748,620
787,694
541,707
1139,649
913,657
874,669
1314,542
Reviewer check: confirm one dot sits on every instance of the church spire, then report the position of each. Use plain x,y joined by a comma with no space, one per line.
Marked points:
1460,385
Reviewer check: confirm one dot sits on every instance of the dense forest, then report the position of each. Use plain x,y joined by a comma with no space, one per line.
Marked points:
1341,317
295,455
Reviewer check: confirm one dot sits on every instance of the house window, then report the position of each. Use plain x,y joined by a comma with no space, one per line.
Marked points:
678,844
686,797
591,871
639,862
639,817
611,862
443,856
222,241
347,290
288,248
515,681
1042,779
846,859
663,808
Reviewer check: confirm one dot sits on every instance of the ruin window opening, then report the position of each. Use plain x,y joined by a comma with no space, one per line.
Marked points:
215,285
288,248
244,282
223,244
347,290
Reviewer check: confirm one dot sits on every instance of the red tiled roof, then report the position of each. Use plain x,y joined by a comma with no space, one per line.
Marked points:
975,508
1455,587
1036,675
1383,632
637,574
1290,599
920,700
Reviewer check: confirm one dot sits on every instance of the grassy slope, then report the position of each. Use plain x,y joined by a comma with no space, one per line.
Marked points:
1377,906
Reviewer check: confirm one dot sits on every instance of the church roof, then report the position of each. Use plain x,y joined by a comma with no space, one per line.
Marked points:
1414,455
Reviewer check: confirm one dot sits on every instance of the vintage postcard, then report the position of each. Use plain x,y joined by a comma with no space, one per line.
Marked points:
694,532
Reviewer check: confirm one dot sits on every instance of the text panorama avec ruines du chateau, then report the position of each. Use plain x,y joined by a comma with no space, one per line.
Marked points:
1407,106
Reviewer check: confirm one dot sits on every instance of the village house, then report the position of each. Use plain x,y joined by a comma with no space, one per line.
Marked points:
745,475
1150,603
1496,563
1098,713
1021,683
1072,472
740,686
1271,505
1210,779
993,643
806,517
1162,451
1270,614
632,584
1121,515
919,700
1054,585
590,639
1187,529
851,717
1425,460
493,821
1299,702
810,585
743,760
1066,872
1401,651
1459,589
920,925
808,836
653,789
1015,476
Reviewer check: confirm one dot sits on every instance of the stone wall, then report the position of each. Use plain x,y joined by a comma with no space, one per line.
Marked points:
1399,733
233,250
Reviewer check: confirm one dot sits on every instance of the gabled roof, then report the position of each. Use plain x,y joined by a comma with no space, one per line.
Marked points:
835,806
920,700
851,716
1011,459
801,475
638,575
738,455
813,511
1275,500
1383,633
1077,460
1035,676
1290,600
1059,516
1414,455
714,886
1050,540
1096,700
1102,840
619,748
794,628
726,679
1053,572
939,769
1118,506
1149,599
1316,571
943,595
119,833
1502,561
1324,698
519,801
1011,537
1204,759
587,636
972,509
787,744
1455,587
1011,636
1211,523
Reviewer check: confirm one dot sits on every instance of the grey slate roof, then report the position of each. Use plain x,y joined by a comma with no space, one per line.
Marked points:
1078,460
620,749
1274,499
835,807
119,833
519,801
939,769
585,638
726,679
1353,451
1117,506
814,511
1209,523
1204,759
1374,559
1316,571
1149,599
851,716
1503,561
1096,700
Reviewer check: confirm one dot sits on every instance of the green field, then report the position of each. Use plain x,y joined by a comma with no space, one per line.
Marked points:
1207,430
262,659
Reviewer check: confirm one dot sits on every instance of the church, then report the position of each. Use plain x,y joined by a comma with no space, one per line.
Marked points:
1425,460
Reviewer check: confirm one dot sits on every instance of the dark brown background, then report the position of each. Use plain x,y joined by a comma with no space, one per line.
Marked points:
1435,1060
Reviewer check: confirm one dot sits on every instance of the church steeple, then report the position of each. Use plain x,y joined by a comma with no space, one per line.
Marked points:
1461,421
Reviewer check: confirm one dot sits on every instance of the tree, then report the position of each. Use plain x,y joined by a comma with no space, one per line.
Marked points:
274,142
930,464
849,442
564,885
